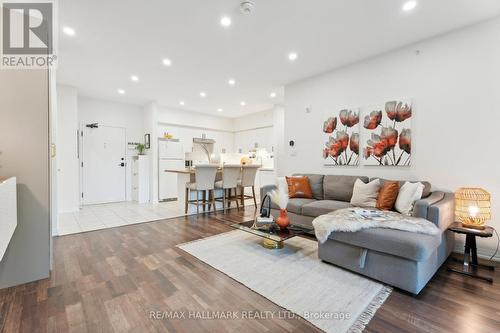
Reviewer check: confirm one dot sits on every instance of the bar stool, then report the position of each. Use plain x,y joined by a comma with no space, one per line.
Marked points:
229,182
204,181
248,173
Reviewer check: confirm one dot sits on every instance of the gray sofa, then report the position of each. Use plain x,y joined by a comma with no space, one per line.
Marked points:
402,259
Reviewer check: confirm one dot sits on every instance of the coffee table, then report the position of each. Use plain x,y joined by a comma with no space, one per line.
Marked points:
270,239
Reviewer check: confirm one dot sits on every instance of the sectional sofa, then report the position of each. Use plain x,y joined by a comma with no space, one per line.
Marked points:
402,259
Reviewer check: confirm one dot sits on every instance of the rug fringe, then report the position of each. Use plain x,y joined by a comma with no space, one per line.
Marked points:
369,312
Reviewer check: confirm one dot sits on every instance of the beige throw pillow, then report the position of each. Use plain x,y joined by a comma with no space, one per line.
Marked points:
365,195
408,194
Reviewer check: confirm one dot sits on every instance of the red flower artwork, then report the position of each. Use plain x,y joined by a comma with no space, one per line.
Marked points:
330,125
386,145
349,118
342,147
373,120
397,111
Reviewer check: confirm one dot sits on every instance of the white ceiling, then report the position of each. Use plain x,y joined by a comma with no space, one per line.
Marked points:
117,38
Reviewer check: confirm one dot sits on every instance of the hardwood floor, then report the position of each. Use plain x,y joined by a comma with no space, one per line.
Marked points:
111,280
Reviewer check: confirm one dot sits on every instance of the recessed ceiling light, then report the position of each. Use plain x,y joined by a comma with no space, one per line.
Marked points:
243,103
219,110
292,56
167,62
272,95
203,94
69,31
409,5
121,91
231,82
134,78
182,103
225,21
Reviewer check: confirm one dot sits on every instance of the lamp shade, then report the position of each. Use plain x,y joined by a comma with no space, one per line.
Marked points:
472,207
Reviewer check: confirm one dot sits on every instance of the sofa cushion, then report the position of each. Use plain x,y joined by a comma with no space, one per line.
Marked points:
365,195
299,187
316,182
387,195
427,185
321,207
340,187
294,205
409,245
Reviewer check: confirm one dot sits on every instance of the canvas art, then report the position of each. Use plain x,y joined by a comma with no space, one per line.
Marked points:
387,133
342,135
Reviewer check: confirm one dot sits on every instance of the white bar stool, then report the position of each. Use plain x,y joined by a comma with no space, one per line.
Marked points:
204,181
248,173
229,182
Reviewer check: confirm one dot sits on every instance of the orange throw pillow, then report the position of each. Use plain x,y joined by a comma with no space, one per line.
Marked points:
299,187
387,195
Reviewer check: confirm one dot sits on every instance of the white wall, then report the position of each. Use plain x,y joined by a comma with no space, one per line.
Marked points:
254,129
24,153
193,119
108,113
67,149
454,84
186,125
253,120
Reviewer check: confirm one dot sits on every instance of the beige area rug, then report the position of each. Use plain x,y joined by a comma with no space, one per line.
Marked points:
332,299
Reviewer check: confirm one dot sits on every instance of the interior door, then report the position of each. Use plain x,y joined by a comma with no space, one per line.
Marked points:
103,164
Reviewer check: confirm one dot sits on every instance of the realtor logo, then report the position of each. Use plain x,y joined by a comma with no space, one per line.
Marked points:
27,34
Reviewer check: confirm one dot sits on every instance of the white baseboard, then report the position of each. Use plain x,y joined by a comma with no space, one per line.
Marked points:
481,252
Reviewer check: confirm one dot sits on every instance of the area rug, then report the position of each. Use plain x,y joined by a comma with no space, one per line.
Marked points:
332,299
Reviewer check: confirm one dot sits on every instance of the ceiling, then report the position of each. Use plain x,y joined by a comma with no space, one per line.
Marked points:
118,38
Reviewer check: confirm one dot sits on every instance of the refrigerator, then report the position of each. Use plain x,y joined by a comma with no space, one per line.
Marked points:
170,157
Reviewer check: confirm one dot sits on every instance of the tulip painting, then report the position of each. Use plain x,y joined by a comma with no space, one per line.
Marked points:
387,131
342,135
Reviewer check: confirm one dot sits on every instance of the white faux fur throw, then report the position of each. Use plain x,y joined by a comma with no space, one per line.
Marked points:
347,221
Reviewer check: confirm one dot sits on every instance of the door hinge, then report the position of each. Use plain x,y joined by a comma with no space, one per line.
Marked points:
82,195
82,164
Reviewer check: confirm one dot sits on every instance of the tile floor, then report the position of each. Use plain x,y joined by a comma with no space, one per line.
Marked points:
95,217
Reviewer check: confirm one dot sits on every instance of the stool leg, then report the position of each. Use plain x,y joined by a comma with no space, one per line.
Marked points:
242,189
197,203
186,201
224,200
237,203
204,193
213,201
253,194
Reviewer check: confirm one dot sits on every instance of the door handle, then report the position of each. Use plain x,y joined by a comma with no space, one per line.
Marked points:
121,164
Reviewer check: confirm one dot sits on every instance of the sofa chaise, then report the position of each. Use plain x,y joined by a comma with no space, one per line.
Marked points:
402,259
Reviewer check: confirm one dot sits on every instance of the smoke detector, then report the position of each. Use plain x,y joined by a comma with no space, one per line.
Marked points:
246,7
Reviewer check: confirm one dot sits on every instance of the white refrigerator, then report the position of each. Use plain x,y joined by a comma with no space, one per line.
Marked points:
170,157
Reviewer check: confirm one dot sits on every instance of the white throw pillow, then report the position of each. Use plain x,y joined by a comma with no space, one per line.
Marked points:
408,194
365,195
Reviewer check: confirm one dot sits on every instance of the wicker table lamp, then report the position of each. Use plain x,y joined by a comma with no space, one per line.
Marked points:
472,207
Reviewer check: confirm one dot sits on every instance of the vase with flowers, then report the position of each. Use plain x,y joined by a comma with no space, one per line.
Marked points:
280,198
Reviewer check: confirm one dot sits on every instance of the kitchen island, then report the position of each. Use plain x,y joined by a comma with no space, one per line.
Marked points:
187,175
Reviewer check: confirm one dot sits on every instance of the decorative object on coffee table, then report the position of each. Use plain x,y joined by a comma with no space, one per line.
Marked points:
283,221
272,238
470,262
280,198
472,207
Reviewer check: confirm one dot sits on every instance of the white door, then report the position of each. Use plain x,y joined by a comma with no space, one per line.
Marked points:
103,169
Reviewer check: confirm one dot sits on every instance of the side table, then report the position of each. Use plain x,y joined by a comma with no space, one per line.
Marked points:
470,262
